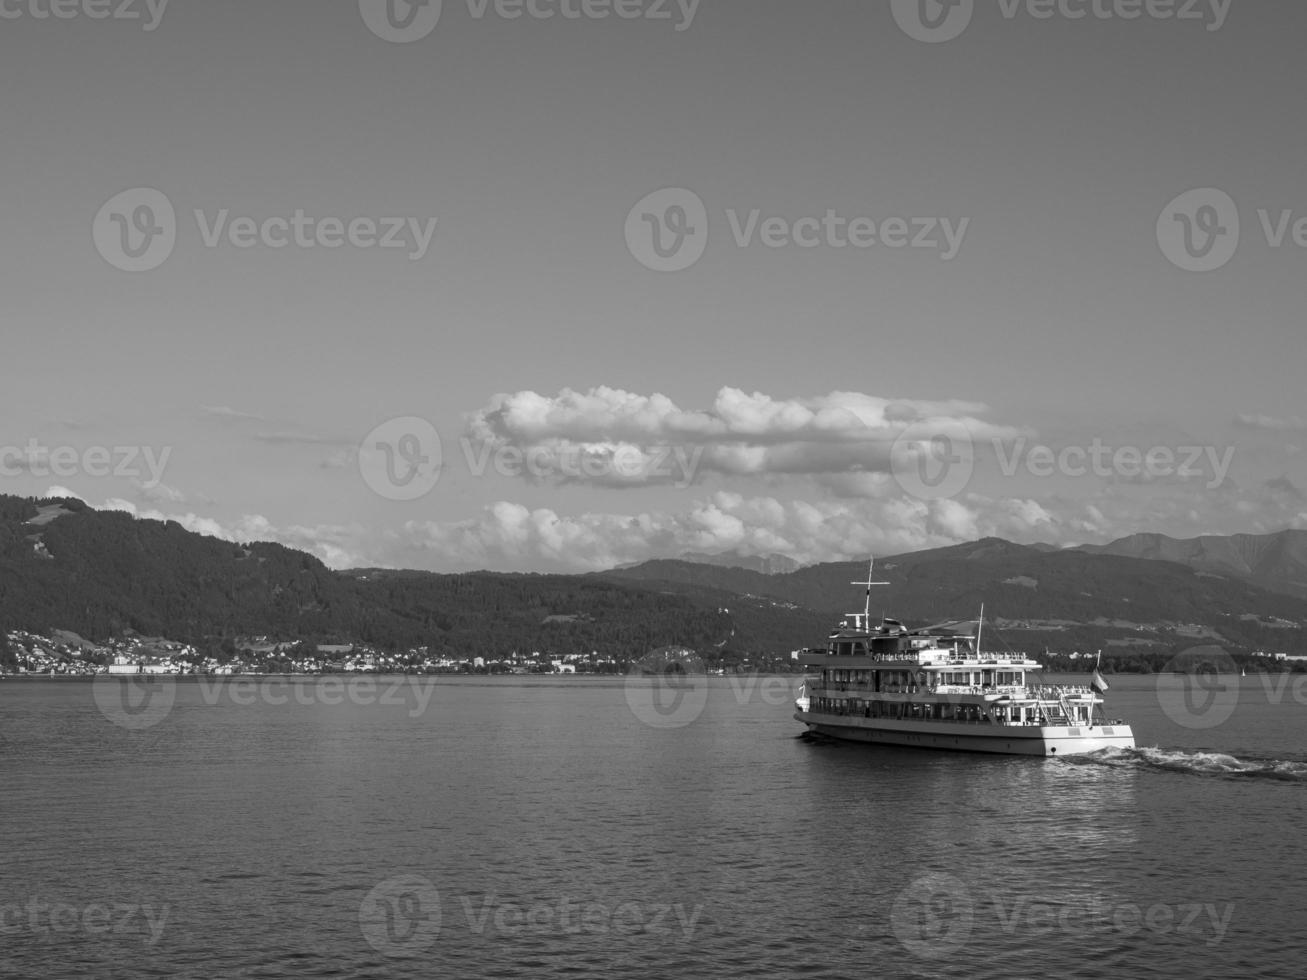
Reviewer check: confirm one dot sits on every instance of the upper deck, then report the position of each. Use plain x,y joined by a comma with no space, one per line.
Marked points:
855,644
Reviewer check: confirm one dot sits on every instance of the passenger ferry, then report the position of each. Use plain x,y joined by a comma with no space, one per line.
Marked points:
933,688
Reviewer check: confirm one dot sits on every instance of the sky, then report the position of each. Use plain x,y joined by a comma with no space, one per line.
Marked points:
568,284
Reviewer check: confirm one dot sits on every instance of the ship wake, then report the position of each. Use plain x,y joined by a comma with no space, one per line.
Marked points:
1216,764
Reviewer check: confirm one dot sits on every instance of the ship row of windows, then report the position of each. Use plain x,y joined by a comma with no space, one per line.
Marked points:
932,711
900,680
975,714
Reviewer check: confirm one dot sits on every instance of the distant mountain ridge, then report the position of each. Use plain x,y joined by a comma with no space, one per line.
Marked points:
1277,562
66,566
1055,596
764,564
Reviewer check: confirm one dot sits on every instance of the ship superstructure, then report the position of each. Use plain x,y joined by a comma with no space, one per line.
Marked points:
934,688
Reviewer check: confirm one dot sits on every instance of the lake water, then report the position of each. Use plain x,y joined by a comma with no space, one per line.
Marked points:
478,828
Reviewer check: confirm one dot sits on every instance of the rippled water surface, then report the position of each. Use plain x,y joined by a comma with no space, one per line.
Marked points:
535,827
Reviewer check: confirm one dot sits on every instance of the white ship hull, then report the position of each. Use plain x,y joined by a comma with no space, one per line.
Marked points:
1043,740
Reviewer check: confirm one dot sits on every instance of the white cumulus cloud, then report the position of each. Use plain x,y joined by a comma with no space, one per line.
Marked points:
612,437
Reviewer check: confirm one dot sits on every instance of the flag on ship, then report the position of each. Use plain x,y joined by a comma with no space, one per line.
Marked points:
1098,683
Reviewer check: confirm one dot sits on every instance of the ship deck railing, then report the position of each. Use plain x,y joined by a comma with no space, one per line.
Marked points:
1044,693
1047,721
929,657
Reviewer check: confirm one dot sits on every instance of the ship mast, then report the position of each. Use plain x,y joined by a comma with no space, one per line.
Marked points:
980,625
866,609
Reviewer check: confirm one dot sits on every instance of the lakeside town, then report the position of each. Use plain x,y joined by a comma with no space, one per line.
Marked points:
63,653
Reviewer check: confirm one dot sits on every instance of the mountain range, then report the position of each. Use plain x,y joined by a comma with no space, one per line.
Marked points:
1036,596
66,566
1277,562
766,564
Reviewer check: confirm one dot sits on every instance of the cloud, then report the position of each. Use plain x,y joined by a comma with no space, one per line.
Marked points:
1269,423
340,459
509,536
225,412
612,437
159,493
299,439
1283,485
291,435
78,425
